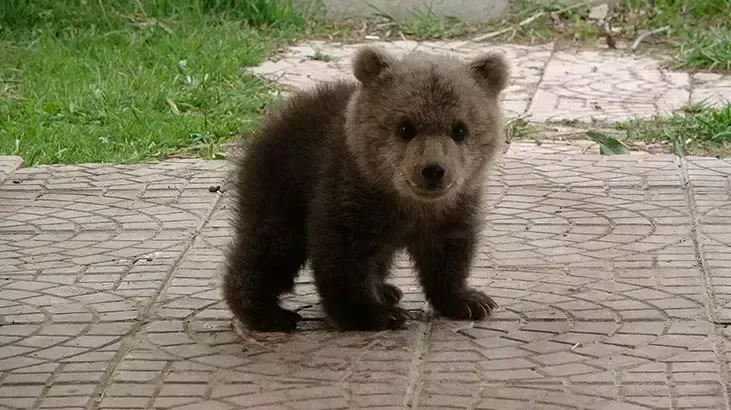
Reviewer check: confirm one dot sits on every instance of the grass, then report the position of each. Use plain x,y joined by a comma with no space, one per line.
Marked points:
427,25
422,23
128,81
707,49
700,129
702,28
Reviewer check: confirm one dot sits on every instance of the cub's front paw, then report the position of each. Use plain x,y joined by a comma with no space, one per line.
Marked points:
374,317
390,294
471,304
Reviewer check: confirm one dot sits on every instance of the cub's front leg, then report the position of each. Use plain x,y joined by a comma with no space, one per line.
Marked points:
443,264
347,262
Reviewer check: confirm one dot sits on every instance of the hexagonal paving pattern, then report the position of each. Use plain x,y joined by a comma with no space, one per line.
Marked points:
611,275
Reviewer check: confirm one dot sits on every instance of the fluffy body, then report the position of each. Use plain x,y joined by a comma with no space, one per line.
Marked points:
347,173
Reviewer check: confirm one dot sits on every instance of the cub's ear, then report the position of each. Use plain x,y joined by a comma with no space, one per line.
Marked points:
491,71
371,64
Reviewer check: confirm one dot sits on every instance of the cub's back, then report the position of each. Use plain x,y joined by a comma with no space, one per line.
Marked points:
284,157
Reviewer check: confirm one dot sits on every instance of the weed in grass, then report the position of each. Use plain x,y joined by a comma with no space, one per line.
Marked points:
584,30
607,145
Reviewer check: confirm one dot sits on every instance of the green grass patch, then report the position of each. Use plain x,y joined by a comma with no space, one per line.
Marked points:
707,49
128,81
700,129
702,28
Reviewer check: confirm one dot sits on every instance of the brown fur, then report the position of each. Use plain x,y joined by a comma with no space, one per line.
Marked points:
347,173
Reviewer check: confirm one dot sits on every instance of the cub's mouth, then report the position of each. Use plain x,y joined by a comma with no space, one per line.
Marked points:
429,192
430,181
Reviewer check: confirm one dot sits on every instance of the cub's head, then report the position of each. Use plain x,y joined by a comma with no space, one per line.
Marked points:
426,125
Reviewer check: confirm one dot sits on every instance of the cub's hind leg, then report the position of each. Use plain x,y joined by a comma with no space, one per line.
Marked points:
262,264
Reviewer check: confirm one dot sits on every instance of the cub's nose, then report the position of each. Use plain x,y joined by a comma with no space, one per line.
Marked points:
433,175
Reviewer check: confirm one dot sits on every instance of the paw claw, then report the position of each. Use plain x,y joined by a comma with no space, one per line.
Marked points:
471,305
484,311
469,311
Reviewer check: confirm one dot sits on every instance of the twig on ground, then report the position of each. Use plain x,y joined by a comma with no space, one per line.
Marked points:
642,38
513,34
529,20
490,35
385,25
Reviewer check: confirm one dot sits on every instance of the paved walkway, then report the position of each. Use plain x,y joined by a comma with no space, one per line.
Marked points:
613,275
548,84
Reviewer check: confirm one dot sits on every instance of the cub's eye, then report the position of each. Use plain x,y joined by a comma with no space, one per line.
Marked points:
459,132
406,130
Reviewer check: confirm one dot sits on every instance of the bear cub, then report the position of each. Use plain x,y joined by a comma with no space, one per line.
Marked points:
347,173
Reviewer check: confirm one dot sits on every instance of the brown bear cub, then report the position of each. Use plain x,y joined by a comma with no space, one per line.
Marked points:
348,173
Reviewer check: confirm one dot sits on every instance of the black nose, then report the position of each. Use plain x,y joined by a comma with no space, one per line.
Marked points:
433,174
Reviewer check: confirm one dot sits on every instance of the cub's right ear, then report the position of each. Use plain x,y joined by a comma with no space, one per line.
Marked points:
371,64
491,71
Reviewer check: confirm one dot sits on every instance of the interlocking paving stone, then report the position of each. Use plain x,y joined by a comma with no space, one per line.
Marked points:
612,275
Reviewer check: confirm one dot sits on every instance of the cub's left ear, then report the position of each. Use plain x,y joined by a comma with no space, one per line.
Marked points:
491,71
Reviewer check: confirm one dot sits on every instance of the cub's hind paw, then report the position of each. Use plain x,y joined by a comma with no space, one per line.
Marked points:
273,320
